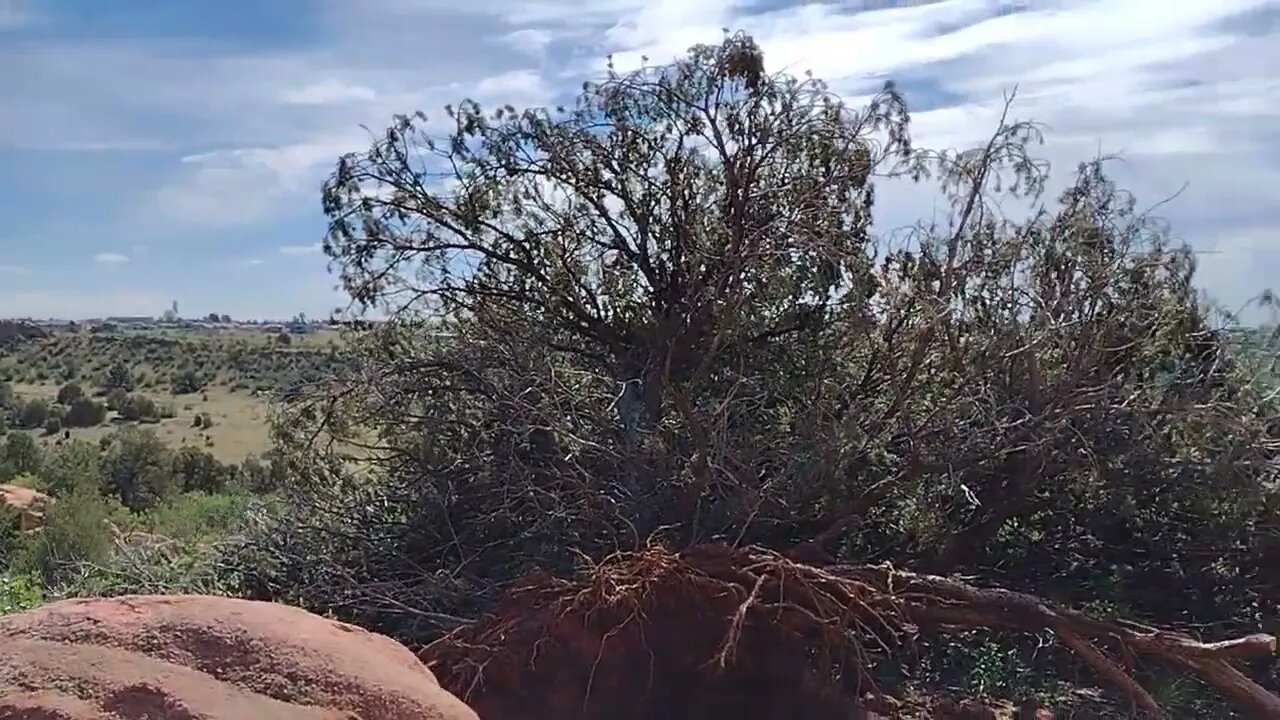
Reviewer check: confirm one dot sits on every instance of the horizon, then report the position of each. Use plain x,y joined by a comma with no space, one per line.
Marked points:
150,154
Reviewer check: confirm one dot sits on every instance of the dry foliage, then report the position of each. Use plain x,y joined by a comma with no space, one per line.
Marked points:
662,312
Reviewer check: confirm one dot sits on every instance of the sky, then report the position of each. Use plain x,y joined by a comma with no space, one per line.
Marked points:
153,150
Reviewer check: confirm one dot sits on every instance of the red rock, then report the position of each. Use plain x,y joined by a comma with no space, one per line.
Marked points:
195,657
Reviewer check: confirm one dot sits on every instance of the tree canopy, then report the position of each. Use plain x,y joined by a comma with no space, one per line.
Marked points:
663,312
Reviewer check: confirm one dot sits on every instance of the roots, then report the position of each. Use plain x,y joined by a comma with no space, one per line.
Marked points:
747,633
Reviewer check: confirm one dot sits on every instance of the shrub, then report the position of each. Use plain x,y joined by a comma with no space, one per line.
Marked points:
73,466
21,456
85,412
139,408
69,393
116,399
137,467
186,382
34,413
75,532
19,593
52,426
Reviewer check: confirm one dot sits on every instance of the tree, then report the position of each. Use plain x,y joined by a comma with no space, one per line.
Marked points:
138,468
187,382
116,399
73,466
85,412
21,456
118,378
198,471
34,413
139,407
69,393
662,312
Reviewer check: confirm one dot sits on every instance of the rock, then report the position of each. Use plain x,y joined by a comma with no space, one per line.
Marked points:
30,504
192,657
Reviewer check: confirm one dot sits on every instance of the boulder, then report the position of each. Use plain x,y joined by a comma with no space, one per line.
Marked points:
192,656
30,505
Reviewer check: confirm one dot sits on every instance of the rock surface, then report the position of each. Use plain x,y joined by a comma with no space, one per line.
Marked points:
29,504
192,657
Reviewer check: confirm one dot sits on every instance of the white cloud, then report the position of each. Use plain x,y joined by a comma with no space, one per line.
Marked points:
110,258
329,92
14,270
1184,95
301,249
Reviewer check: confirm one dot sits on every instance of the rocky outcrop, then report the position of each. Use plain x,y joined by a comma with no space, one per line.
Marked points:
30,505
189,657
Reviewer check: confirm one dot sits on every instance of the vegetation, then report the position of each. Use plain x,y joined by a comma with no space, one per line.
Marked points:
662,315
676,323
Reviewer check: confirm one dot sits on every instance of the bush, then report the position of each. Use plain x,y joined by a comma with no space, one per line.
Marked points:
21,456
117,398
33,414
196,470
197,516
85,412
75,532
186,382
118,377
139,408
19,593
138,468
71,467
52,426
69,393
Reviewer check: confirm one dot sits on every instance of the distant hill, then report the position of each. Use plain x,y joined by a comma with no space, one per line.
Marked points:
13,332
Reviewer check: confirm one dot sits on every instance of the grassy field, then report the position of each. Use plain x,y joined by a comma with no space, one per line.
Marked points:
238,369
239,422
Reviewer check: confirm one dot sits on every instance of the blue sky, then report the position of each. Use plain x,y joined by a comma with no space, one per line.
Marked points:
153,150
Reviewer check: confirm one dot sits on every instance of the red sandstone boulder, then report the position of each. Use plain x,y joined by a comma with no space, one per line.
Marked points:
192,657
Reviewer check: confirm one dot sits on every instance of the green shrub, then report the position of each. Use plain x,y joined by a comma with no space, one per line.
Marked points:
75,532
33,414
69,393
52,426
19,593
85,412
21,455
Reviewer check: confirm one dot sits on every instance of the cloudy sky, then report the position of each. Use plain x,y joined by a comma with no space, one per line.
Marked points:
153,150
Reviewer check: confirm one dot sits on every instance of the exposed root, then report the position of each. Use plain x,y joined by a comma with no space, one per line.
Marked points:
747,633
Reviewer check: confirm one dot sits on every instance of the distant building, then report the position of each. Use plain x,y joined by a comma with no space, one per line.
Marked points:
130,319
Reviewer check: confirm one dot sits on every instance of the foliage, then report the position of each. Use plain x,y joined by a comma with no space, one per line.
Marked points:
187,382
18,593
662,312
69,393
52,426
21,455
73,466
118,377
34,413
75,532
85,412
139,407
197,470
138,468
